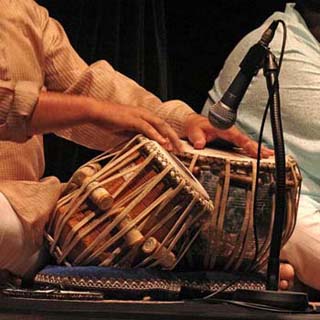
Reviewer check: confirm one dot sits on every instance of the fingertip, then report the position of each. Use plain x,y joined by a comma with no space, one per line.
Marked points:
198,141
180,147
162,140
267,152
169,147
199,144
158,138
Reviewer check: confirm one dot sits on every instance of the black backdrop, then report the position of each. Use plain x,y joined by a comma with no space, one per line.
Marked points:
173,48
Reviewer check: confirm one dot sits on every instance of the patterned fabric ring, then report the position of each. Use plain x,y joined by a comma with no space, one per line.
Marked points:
145,284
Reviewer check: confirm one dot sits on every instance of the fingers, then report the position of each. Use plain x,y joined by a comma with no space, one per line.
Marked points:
119,117
197,138
200,131
162,132
141,120
196,130
266,152
251,148
241,140
149,131
172,137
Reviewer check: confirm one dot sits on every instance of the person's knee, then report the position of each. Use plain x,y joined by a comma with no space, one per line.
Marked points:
12,236
11,232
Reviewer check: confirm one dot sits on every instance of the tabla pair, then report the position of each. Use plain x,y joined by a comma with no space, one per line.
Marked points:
141,207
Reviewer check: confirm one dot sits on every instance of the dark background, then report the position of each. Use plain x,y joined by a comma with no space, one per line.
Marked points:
173,48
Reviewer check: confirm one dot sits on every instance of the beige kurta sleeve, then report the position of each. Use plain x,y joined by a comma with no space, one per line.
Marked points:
67,72
17,101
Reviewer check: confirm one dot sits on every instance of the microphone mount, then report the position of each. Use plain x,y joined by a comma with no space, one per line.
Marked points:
224,113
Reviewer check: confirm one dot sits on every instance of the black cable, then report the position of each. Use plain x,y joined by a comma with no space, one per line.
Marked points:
264,307
221,290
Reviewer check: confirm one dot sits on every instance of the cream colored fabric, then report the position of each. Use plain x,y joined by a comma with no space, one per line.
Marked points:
18,255
35,55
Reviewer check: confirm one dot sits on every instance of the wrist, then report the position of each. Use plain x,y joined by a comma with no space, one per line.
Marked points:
97,110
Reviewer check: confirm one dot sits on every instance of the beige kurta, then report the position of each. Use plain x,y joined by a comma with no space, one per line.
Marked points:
35,54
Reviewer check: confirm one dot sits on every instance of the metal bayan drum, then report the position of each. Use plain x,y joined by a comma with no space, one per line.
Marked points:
235,238
136,207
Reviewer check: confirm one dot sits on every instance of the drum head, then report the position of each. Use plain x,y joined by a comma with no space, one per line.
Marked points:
235,154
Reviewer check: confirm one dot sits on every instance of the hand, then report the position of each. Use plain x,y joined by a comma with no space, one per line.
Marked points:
199,131
137,119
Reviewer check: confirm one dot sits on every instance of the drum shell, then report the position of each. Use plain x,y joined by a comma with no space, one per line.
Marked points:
237,237
74,245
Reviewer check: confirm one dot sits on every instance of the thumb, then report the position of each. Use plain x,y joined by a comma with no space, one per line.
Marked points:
197,137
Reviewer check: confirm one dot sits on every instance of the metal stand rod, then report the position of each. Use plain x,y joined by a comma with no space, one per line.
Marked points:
271,74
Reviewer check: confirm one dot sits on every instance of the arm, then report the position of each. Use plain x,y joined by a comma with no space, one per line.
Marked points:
71,111
66,72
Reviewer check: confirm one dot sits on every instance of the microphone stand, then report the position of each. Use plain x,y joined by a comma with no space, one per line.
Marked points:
272,297
271,74
222,115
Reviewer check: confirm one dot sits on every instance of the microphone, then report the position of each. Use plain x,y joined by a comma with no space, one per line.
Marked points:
224,113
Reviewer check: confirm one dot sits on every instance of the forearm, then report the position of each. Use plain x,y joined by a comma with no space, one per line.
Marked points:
57,111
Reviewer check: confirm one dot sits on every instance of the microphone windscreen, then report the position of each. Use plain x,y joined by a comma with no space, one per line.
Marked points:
222,117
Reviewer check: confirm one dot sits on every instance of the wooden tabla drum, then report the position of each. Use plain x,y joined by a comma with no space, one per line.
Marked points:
235,238
136,207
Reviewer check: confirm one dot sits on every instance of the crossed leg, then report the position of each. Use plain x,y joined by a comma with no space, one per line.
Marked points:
302,250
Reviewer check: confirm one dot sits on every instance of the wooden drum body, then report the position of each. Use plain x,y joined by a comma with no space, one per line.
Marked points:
235,238
136,207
